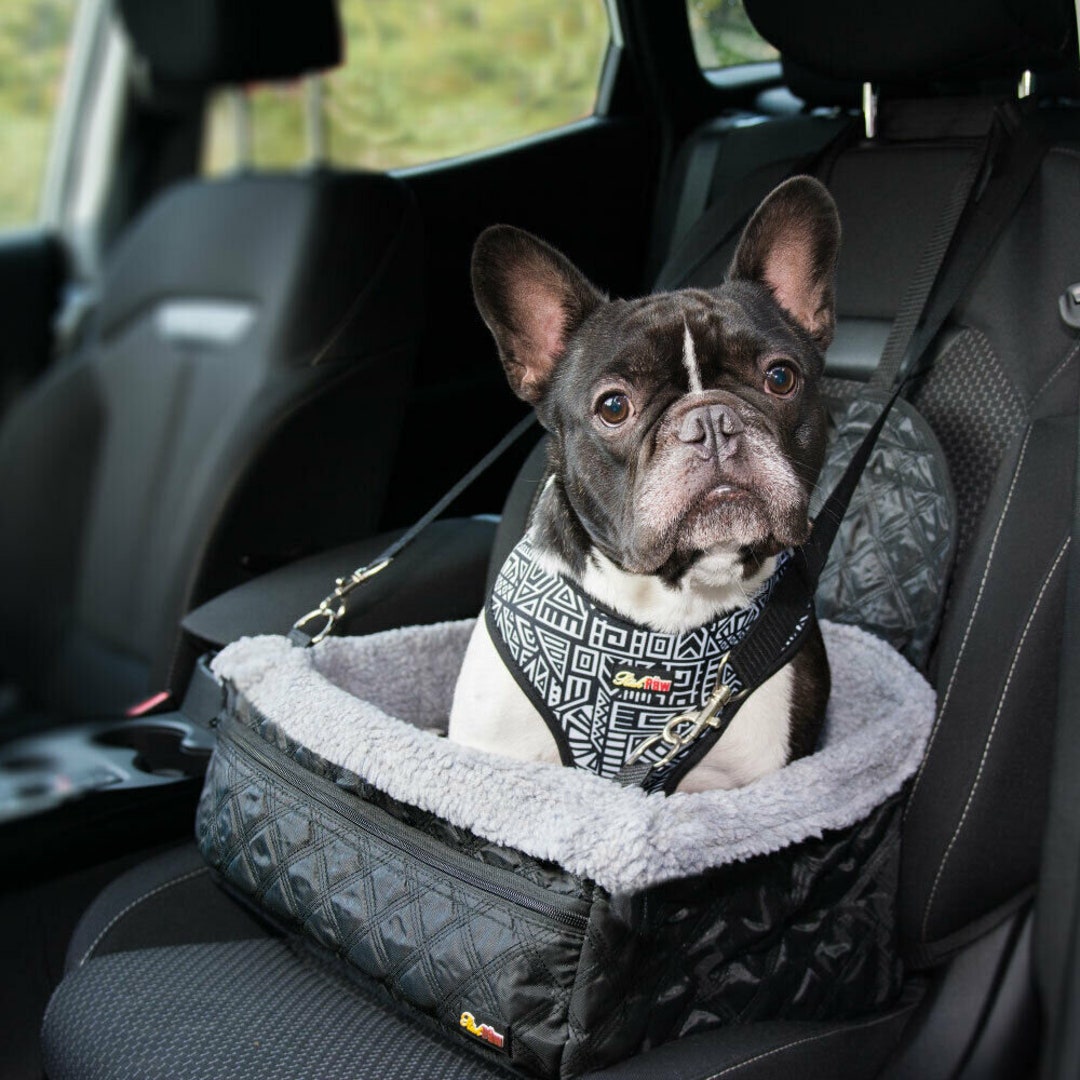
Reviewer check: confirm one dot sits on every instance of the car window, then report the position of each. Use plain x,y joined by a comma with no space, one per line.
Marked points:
724,36
428,80
34,39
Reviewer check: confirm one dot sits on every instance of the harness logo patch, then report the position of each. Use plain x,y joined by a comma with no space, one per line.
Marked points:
653,682
482,1031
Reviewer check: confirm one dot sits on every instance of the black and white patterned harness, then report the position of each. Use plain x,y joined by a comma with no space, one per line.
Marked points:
603,683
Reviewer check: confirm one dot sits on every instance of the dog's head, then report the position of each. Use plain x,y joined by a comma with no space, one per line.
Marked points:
683,423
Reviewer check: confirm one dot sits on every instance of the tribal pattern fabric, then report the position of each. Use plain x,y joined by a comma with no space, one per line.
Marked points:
602,683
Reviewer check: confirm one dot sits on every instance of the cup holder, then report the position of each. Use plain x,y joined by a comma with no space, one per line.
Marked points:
159,749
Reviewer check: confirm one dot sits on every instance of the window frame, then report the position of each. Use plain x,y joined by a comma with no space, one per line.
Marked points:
84,146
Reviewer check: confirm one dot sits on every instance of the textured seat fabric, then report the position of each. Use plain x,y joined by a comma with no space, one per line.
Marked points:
168,900
232,1009
257,1010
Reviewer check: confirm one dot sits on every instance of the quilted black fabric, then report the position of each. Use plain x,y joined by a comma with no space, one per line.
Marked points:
893,553
223,1016
571,978
446,946
804,934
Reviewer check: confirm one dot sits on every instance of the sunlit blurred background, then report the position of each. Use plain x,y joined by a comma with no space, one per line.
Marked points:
423,80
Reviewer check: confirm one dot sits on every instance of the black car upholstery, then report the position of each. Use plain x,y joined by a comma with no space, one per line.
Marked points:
206,428
1002,398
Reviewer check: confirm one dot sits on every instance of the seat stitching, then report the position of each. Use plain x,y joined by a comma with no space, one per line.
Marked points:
1056,372
971,622
990,735
135,903
798,1042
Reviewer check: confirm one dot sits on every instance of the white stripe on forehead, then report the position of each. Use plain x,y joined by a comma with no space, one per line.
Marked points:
689,359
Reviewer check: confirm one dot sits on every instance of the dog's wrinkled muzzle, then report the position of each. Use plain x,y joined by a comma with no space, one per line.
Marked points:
712,430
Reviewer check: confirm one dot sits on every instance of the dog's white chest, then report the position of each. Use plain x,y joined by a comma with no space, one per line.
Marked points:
551,675
491,712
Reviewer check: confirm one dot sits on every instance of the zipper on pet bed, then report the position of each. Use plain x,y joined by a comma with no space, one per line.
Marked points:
328,796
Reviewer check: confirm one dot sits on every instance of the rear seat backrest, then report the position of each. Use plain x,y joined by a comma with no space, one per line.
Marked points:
215,415
1002,399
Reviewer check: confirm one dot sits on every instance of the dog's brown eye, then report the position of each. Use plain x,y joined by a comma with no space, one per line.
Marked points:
781,379
614,409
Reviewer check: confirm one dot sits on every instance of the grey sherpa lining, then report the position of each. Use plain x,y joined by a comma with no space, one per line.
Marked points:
363,703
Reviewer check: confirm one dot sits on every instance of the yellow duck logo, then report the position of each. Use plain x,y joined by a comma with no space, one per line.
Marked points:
482,1031
631,681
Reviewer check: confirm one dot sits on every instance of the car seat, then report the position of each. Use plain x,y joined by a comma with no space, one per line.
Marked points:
213,422
1002,398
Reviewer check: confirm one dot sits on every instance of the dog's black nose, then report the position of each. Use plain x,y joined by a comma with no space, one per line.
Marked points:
712,429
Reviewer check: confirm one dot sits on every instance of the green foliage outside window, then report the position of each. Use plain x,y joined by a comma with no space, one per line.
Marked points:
424,80
34,37
430,79
724,36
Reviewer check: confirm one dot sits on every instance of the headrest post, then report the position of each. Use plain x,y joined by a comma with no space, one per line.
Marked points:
869,109
1026,85
240,106
315,112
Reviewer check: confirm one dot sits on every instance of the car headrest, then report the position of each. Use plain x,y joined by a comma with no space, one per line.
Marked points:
215,42
907,42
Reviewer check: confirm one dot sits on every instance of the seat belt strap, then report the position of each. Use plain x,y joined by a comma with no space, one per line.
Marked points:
1013,154
913,305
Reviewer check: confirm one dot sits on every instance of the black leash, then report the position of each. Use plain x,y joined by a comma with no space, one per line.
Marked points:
332,608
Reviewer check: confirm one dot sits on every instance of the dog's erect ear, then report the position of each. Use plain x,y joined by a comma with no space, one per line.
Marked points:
791,244
532,299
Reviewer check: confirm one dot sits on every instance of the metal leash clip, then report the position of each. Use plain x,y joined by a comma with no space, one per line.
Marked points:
697,719
332,607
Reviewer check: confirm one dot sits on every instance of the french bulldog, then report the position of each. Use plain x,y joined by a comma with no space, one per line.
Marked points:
686,432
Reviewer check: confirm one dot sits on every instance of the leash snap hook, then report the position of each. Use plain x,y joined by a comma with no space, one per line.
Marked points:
697,719
332,608
323,611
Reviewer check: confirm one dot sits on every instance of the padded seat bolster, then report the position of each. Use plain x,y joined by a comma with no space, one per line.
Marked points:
979,802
